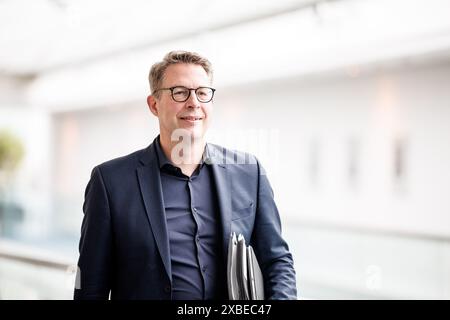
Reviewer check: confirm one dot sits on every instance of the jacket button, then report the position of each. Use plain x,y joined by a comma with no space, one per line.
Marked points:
167,288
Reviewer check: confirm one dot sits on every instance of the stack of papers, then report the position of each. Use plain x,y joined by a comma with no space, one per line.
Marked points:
245,280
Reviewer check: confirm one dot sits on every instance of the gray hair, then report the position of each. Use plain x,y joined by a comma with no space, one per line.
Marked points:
156,74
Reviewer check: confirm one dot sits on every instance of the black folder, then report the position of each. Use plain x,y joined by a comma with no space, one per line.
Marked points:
245,280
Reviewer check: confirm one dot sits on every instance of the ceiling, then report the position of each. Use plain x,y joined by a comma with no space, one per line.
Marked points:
39,35
79,54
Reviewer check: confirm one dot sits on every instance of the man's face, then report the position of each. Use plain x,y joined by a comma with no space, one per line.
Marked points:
179,115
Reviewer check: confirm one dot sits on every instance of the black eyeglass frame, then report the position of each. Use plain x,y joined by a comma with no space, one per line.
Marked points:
189,95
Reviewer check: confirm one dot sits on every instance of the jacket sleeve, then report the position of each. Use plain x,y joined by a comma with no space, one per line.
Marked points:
271,249
95,261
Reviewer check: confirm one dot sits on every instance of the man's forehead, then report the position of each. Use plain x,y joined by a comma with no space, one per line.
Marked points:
184,74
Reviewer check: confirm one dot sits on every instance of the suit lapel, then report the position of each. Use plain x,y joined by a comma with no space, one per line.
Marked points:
150,186
223,187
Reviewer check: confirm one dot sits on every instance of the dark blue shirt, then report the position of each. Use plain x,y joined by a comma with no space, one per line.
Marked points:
193,225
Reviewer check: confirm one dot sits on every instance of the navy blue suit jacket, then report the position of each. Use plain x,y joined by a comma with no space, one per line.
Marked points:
124,245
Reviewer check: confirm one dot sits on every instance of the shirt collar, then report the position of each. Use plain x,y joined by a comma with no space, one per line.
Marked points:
163,160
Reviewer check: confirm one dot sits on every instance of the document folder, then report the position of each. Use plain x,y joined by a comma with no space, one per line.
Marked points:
233,288
245,280
256,281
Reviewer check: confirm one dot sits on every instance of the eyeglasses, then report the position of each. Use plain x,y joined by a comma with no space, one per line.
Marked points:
181,94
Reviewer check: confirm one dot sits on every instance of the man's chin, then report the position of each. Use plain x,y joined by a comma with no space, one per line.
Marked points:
197,134
193,133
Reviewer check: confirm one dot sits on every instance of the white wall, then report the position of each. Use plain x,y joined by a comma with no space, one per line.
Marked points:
375,110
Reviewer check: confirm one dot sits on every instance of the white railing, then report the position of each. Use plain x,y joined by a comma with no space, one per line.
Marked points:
31,273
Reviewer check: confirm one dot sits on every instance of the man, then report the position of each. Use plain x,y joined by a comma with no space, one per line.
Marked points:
157,222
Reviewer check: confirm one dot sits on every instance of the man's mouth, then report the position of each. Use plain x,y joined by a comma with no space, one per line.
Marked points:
191,118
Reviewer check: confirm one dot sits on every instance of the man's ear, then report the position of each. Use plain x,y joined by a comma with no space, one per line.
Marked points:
151,101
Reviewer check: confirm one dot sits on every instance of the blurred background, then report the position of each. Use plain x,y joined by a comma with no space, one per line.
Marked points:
346,103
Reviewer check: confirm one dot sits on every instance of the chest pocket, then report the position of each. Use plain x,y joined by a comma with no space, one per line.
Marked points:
243,212
243,220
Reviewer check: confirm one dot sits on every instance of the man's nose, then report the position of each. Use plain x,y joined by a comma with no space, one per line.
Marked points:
192,101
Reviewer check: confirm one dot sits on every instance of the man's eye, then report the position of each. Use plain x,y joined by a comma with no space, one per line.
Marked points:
180,92
203,92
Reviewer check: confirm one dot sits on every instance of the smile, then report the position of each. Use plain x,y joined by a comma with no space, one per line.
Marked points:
191,118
